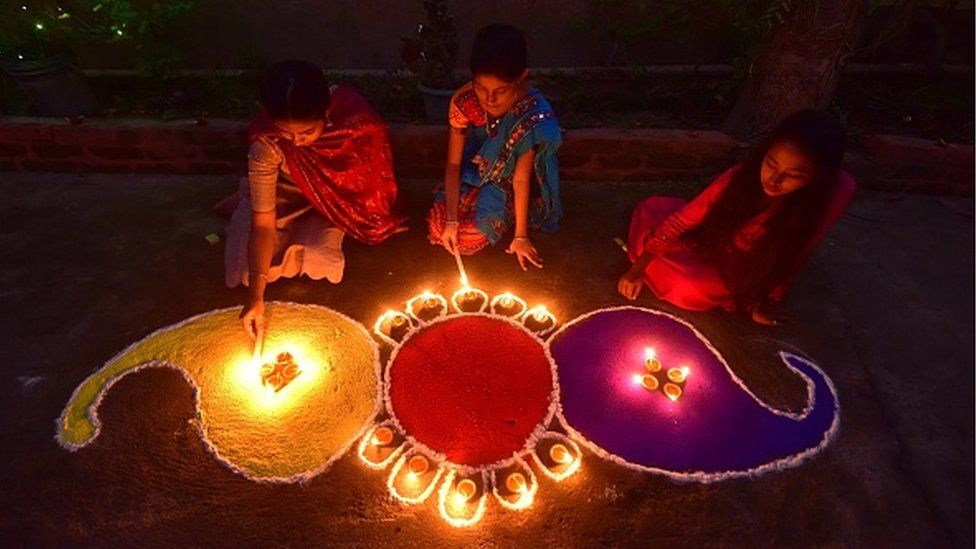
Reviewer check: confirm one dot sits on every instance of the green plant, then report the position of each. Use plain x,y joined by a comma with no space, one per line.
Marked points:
34,29
432,54
622,24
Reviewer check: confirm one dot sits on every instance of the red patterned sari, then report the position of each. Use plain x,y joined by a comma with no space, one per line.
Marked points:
347,173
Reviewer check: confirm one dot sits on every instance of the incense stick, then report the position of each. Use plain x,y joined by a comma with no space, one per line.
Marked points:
460,266
258,342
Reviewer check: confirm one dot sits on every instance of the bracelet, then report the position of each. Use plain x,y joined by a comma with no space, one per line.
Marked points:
260,275
520,238
450,222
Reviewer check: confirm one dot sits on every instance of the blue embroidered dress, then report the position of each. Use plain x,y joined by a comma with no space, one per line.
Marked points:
492,149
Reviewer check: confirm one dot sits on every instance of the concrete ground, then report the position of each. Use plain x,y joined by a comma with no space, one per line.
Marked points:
90,264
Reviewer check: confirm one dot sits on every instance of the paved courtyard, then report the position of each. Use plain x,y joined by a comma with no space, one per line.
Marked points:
93,263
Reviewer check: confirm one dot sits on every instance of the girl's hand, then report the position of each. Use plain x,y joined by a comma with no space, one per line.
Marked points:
524,251
771,313
449,236
252,317
631,283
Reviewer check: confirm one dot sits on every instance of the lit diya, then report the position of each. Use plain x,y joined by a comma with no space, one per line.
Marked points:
508,304
469,300
539,320
279,373
670,382
392,326
427,306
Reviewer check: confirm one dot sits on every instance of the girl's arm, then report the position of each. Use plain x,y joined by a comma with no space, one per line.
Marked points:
264,162
452,185
521,246
669,231
689,216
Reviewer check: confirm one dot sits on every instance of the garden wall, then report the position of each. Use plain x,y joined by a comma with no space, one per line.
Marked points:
600,154
356,34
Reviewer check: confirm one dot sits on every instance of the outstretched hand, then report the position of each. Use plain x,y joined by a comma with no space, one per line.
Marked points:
771,313
525,252
631,284
449,237
252,317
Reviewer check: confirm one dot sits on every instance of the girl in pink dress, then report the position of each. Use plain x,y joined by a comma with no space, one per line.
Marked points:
739,244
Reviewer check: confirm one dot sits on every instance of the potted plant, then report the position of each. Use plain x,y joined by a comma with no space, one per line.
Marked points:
34,44
432,54
37,38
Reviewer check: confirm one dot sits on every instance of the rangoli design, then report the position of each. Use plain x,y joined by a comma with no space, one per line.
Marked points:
481,398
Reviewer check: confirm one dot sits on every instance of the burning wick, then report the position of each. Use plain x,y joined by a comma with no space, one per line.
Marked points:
382,436
560,454
418,465
539,319
428,299
651,362
541,314
515,483
426,306
507,304
678,375
465,490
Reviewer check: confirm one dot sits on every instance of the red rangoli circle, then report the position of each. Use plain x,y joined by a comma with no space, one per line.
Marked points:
471,387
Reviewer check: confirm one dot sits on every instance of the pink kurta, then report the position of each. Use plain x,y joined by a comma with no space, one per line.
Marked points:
678,274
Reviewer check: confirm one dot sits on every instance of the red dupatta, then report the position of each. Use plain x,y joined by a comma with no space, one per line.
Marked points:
347,173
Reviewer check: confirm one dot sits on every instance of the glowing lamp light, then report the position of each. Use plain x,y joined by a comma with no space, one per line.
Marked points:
469,300
651,362
508,304
649,382
672,391
392,326
466,489
678,375
515,483
560,454
418,465
279,373
539,320
426,306
382,436
540,314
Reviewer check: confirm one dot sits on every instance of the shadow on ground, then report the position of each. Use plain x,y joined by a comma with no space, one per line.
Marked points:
91,264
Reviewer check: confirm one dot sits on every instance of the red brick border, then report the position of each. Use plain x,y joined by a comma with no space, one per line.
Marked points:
598,154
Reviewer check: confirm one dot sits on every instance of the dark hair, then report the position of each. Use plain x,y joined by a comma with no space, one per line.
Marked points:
775,256
499,50
294,90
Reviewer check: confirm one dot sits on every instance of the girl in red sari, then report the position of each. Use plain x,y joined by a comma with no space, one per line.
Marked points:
319,167
740,243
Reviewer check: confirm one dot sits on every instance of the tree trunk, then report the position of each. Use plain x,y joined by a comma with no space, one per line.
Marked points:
798,66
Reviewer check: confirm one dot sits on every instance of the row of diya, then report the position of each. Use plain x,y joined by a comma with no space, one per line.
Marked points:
463,493
392,325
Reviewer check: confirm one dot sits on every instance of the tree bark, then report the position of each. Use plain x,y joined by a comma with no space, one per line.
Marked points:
798,66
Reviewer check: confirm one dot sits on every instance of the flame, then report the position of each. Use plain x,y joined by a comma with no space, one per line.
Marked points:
560,454
245,376
515,482
382,436
418,465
